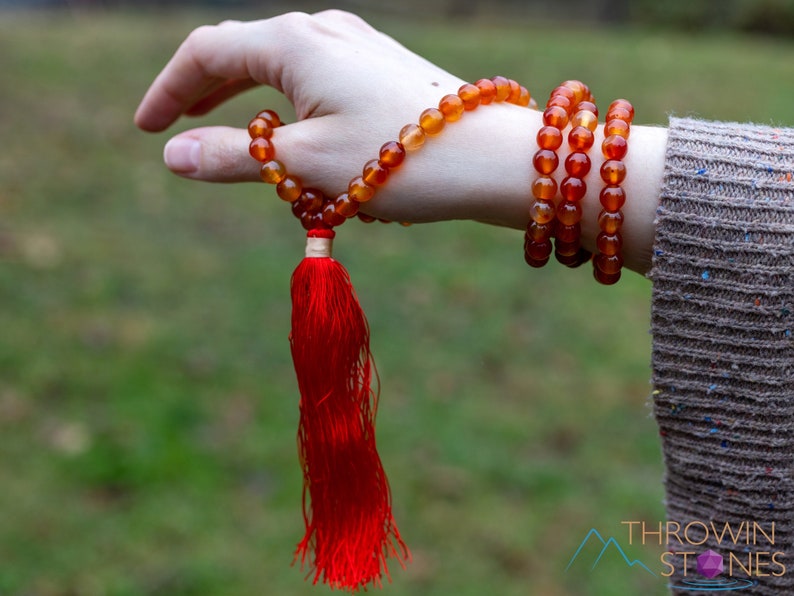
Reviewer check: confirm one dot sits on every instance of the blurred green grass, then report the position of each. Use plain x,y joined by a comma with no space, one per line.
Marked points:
147,402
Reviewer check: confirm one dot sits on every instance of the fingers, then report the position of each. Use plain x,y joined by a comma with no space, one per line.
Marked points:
215,98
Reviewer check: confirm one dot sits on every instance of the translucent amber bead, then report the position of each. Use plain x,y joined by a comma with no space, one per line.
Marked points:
568,233
297,209
573,189
614,147
609,244
312,221
330,216
360,191
610,222
616,127
391,154
524,98
345,206
310,201
545,161
259,127
487,91
613,171
452,107
261,149
470,94
549,137
560,100
612,198
540,232
575,260
374,173
502,88
538,250
270,117
432,121
544,187
625,104
541,211
619,113
555,116
587,105
412,137
566,249
515,92
577,164
586,119
272,171
580,90
606,279
364,217
569,213
581,138
289,189
565,91
609,263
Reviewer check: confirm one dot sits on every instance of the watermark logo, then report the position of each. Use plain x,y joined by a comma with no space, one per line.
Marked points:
727,557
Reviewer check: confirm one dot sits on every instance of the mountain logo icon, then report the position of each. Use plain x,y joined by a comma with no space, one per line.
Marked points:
594,545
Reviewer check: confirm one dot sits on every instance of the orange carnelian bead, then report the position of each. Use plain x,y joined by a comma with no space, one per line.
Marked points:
261,149
289,189
612,198
515,91
614,147
538,250
259,127
569,213
470,94
375,173
412,137
565,91
549,137
540,232
432,121
577,164
391,154
312,221
581,138
586,119
606,279
364,217
609,244
544,187
272,171
360,191
545,161
573,189
270,117
555,116
568,233
345,206
542,211
330,216
310,201
619,113
524,98
560,100
580,90
587,105
625,104
566,249
610,222
487,91
609,263
613,171
452,107
502,88
616,127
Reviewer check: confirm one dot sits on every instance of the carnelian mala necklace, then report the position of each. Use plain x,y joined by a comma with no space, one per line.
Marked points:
350,530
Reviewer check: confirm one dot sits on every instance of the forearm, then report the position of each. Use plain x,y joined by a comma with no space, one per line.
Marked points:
483,165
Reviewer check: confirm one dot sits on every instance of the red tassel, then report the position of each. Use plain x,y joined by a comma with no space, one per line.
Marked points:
346,497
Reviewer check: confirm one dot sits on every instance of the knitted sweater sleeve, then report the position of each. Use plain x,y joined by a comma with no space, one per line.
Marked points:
723,354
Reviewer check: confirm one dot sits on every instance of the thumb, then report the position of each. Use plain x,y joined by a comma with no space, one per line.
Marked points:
212,154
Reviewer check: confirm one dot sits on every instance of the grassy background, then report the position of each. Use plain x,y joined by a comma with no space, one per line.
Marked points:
147,403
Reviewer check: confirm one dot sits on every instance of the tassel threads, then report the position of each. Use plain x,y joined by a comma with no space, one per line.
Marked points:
346,498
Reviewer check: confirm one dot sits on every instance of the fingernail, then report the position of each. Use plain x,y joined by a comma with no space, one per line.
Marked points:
182,155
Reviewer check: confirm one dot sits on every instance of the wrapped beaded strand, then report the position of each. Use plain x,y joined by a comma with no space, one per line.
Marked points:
318,211
609,259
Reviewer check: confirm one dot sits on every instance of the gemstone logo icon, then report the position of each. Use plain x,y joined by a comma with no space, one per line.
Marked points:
710,564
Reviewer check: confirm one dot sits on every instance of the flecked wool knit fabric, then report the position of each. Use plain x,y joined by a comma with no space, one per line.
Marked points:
723,353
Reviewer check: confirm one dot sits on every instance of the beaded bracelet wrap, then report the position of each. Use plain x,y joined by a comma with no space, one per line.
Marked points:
609,260
350,530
